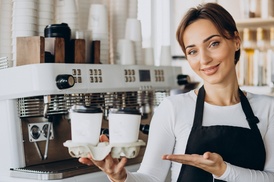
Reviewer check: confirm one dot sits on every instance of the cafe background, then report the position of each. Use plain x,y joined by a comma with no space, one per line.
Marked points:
156,21
108,53
254,19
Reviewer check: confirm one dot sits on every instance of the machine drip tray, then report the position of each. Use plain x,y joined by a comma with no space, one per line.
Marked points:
53,171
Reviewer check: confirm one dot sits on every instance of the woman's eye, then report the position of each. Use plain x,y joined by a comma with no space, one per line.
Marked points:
191,52
214,44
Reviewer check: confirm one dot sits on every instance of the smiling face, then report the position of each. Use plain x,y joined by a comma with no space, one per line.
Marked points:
209,54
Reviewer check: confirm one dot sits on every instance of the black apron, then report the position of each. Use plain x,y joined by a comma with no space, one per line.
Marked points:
239,146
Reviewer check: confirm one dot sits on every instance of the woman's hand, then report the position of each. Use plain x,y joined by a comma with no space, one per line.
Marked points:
210,162
114,168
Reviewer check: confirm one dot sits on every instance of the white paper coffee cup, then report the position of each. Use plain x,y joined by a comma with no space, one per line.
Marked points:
124,126
86,124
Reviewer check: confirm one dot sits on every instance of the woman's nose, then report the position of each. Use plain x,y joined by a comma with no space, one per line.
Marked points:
205,57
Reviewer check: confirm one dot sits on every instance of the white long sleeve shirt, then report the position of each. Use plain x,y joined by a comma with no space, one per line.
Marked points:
171,126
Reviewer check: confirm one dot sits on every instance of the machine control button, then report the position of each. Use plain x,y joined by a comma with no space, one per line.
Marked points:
99,72
74,71
78,72
162,72
64,81
79,79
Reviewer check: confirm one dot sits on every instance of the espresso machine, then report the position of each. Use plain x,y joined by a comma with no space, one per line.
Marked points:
34,104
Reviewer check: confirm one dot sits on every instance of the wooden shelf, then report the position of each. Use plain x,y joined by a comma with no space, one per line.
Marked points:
254,23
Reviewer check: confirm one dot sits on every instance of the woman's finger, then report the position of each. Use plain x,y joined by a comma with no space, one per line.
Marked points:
85,161
122,163
184,159
103,138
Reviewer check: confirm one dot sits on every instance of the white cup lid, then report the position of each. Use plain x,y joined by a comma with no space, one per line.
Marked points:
125,111
85,109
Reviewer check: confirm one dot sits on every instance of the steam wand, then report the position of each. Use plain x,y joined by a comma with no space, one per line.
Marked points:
38,150
47,99
47,142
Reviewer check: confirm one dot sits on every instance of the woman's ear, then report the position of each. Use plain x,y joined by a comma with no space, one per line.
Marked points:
237,39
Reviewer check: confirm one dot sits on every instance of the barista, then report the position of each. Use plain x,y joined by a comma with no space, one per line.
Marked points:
216,133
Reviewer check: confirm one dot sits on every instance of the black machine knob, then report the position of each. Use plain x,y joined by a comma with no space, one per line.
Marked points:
144,128
183,79
64,81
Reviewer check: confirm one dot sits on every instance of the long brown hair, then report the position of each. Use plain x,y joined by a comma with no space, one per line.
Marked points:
219,16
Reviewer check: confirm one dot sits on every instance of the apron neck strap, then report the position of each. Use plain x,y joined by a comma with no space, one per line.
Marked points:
199,111
250,117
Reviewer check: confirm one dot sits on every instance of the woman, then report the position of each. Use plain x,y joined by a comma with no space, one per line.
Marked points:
216,133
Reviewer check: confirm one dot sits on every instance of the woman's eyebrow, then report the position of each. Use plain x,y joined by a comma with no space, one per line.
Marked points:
208,38
205,40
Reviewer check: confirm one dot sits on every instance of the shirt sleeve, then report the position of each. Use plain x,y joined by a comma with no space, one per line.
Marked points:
239,174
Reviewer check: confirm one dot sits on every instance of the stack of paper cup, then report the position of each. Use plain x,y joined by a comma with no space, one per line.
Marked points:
132,8
5,29
45,15
134,33
118,17
98,20
96,2
24,20
66,12
83,11
98,25
149,56
125,52
165,56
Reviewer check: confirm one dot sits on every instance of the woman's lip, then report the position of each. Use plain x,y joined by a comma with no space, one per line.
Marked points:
210,70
